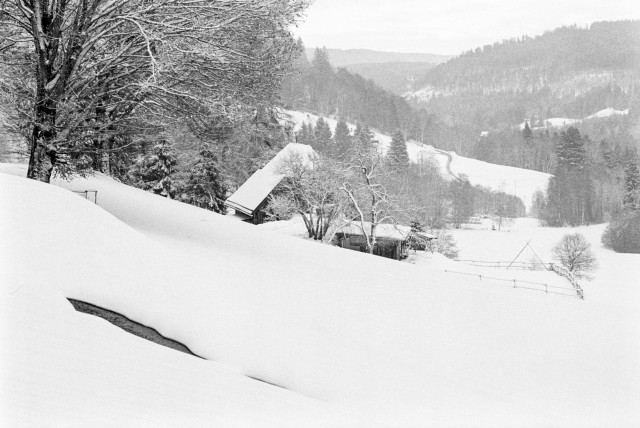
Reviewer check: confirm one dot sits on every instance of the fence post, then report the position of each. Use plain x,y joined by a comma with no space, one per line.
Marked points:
514,283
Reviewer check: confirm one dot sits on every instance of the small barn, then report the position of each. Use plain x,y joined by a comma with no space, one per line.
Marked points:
250,200
392,241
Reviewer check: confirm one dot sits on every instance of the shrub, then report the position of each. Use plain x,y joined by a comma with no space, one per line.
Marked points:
573,252
623,233
445,244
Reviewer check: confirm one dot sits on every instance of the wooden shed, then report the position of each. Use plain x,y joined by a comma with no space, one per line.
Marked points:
392,241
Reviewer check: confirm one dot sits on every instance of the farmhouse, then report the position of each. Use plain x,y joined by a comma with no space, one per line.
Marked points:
392,241
250,200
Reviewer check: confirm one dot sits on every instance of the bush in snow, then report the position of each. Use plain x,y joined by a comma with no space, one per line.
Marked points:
573,252
623,233
444,244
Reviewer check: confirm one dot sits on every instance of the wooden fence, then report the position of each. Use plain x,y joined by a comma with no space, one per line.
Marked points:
86,194
526,285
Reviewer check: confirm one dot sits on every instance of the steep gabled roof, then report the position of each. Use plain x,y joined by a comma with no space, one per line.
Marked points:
383,231
258,187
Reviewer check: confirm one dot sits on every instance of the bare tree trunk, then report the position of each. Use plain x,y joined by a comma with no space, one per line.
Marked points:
374,226
105,163
43,155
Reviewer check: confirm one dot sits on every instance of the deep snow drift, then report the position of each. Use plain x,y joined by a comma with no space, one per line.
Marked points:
520,182
400,344
59,367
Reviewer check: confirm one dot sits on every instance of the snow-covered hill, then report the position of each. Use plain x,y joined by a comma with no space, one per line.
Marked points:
559,122
355,339
515,181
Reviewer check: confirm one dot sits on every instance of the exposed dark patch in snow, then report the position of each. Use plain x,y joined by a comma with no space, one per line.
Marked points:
267,382
130,326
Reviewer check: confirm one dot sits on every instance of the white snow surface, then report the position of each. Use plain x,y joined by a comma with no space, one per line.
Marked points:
378,342
559,122
520,182
59,367
608,112
249,196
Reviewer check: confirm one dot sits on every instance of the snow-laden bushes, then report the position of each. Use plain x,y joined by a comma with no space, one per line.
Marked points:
445,244
623,233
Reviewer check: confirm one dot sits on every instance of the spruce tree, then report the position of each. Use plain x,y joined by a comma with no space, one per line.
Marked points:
527,134
205,188
322,88
364,139
322,136
570,151
571,193
305,135
341,139
632,186
154,172
397,156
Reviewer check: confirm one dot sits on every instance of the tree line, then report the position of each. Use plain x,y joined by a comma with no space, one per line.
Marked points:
591,187
351,180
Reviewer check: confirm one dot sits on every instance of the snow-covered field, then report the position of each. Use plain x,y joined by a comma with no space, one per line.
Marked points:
356,340
514,181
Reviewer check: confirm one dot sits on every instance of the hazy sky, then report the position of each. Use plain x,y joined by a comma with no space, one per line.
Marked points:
446,26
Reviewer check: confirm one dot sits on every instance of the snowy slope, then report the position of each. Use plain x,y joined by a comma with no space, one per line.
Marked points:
406,345
59,367
559,122
608,112
514,181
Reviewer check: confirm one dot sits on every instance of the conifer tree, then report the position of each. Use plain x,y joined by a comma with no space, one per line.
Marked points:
305,135
322,136
527,134
341,139
154,172
632,186
364,139
322,88
570,151
397,156
571,192
205,188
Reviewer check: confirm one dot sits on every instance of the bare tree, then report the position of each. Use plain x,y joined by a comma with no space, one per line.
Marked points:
573,251
368,187
96,63
310,189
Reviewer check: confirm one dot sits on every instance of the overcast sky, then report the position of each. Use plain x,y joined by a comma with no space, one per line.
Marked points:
446,26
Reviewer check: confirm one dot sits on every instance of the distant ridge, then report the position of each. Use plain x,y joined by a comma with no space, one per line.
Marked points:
344,57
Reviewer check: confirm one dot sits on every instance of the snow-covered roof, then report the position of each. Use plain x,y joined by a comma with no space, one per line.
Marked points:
383,230
258,187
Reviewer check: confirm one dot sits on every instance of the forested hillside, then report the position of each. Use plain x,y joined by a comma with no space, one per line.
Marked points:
570,72
581,56
320,88
346,57
397,77
569,76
